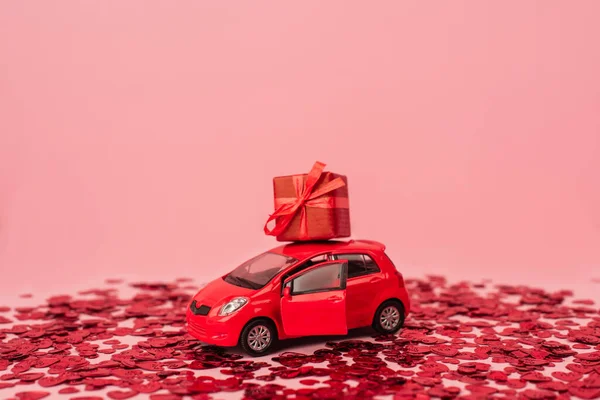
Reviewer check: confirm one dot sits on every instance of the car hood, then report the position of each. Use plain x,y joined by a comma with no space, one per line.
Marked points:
218,292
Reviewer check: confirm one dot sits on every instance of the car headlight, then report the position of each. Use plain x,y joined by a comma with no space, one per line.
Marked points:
233,305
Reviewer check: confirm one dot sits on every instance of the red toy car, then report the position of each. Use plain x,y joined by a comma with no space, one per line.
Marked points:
301,289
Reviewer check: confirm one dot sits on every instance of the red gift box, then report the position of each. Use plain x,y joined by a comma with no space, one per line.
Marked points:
311,206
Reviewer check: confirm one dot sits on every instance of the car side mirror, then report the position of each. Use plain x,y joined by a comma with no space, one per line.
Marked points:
287,292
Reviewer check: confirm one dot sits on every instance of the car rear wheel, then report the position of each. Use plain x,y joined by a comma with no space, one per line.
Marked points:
389,317
258,337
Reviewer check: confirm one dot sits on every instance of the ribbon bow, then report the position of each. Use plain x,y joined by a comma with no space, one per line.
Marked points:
306,196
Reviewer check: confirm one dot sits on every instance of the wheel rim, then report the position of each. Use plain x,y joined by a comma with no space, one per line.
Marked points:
259,338
389,318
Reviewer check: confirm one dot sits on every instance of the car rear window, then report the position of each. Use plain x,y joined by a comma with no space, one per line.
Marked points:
359,264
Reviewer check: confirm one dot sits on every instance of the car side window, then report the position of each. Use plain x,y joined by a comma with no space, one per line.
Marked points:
317,259
328,277
370,265
356,264
309,263
359,264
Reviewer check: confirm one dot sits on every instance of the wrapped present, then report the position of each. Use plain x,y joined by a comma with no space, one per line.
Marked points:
311,206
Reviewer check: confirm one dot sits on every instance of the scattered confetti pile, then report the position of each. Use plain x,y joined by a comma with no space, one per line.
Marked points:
462,340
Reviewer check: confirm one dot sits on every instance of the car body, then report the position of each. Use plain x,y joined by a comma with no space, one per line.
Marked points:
301,289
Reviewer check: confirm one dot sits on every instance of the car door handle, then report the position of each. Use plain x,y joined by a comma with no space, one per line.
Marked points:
335,299
375,280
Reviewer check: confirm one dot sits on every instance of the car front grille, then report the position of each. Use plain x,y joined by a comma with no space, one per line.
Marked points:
202,310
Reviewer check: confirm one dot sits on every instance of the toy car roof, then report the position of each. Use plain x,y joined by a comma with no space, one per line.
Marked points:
302,250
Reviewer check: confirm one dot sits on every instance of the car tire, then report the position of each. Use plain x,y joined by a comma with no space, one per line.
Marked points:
258,337
389,317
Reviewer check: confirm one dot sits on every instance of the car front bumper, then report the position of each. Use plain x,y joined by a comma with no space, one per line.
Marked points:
219,331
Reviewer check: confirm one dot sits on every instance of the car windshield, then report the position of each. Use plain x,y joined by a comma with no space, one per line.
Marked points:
258,271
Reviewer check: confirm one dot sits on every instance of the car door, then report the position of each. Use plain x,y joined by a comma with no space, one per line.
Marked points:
314,300
363,284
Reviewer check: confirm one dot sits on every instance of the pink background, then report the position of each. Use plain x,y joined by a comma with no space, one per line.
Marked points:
139,139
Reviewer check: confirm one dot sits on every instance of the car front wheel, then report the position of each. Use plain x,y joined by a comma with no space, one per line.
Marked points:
258,337
389,317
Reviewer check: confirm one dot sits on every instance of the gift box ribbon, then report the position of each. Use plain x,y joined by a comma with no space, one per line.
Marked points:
306,196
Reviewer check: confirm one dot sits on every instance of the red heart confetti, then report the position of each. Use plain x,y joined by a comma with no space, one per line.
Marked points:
33,395
502,341
121,394
68,390
567,376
